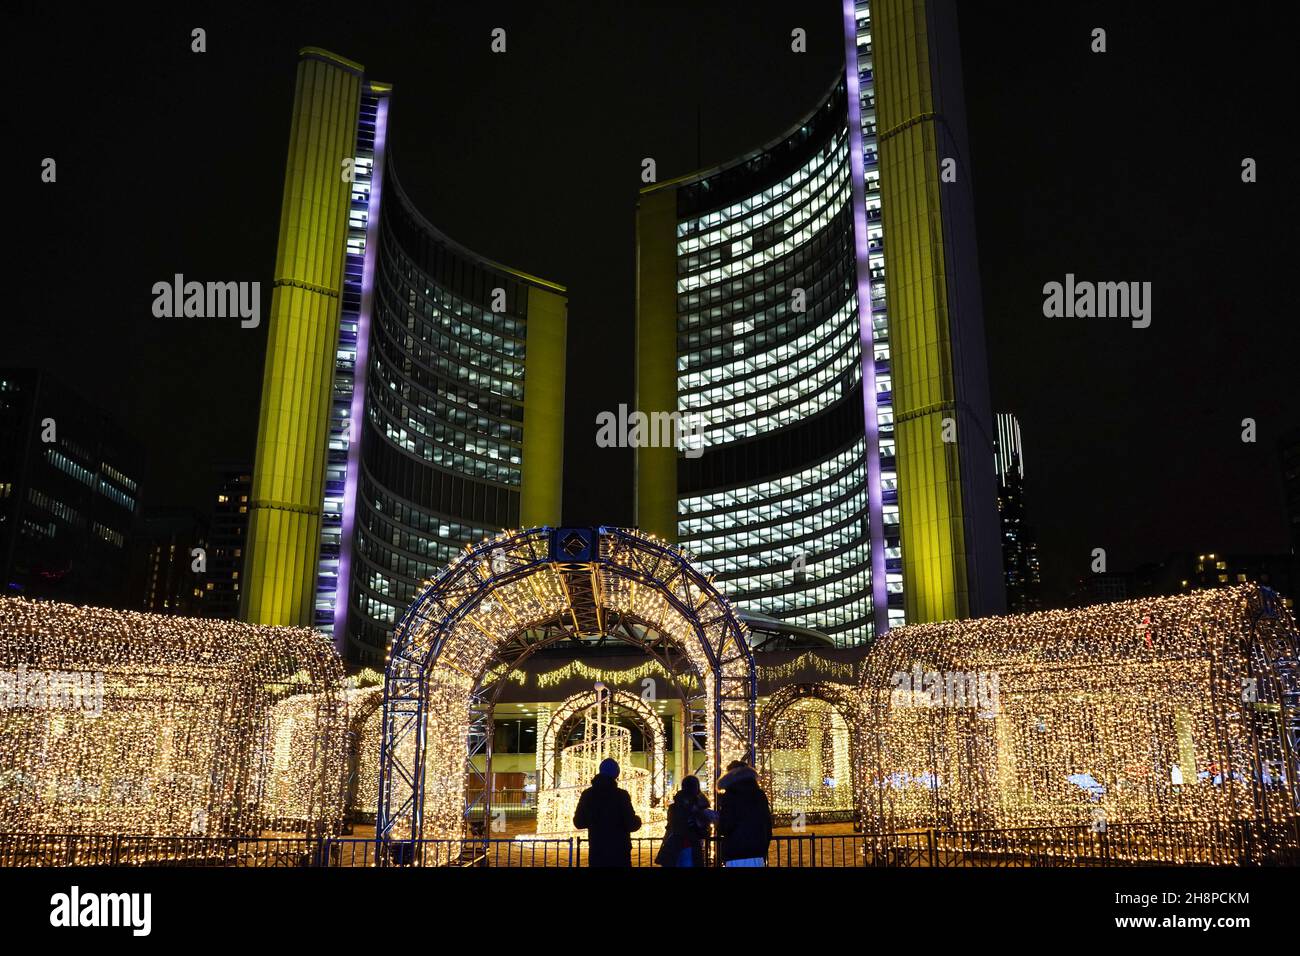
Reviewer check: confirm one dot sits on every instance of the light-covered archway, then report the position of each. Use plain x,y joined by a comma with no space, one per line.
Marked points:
571,710
539,585
842,700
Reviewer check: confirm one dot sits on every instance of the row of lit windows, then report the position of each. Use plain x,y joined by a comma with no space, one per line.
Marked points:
410,427
89,478
744,206
767,549
461,460
825,213
418,532
763,370
451,314
730,499
117,476
820,269
786,522
448,406
819,513
407,342
793,393
755,323
785,216
115,538
54,506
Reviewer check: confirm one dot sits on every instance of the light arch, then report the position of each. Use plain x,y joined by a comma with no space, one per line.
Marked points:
539,585
571,710
844,699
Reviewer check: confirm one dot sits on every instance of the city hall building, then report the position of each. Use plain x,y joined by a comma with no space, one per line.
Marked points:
393,427
816,303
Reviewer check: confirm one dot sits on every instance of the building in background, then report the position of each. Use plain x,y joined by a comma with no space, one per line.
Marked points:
69,494
413,397
816,302
1182,573
1289,455
163,559
227,537
1020,567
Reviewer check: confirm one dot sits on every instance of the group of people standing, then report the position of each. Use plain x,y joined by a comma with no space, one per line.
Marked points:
743,820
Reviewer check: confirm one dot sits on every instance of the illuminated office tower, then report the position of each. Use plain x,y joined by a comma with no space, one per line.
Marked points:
394,428
765,306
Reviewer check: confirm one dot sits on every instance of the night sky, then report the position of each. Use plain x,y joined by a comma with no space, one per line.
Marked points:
1118,166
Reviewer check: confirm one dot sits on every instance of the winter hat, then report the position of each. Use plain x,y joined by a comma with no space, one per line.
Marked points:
609,767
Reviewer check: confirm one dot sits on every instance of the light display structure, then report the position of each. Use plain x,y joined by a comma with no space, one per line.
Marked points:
513,593
1175,713
562,772
185,727
365,731
808,749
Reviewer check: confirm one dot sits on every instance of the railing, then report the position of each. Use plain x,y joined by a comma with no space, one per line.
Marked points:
1133,844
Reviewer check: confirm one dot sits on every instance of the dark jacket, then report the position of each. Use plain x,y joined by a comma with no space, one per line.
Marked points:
688,826
605,812
744,817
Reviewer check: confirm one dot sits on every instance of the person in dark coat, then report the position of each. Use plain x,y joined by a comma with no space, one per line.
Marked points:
605,812
689,820
744,817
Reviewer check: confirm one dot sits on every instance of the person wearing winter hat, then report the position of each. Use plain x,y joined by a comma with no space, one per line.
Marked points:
605,812
744,817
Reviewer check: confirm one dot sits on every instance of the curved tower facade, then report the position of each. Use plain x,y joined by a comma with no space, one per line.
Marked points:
766,313
413,399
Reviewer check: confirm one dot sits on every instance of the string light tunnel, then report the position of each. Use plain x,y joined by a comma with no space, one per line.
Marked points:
511,594
116,722
1180,712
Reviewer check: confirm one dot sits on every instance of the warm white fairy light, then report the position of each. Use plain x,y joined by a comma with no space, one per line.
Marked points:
365,733
808,662
805,759
561,718
191,737
1169,710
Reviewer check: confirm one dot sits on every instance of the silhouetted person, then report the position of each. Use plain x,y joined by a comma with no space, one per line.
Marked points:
744,817
605,812
689,819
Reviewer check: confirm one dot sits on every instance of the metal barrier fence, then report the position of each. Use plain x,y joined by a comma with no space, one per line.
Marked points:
1134,844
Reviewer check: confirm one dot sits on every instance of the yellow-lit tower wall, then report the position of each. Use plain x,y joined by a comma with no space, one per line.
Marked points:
289,469
942,414
656,357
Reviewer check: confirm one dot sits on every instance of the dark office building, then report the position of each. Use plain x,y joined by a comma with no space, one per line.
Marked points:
68,494
1182,573
1289,453
227,534
1019,538
164,559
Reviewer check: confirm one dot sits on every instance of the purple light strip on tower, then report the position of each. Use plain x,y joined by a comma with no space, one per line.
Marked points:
857,168
357,414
